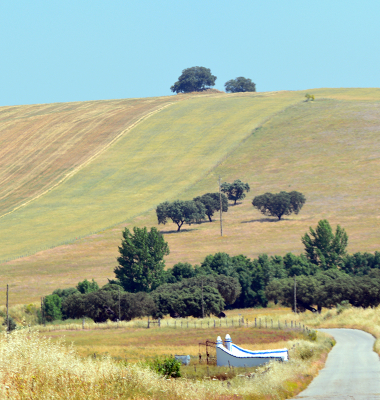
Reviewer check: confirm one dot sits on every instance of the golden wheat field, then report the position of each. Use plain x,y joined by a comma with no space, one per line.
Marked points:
327,149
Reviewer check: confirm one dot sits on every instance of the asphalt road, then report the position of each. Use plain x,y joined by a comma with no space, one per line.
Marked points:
352,369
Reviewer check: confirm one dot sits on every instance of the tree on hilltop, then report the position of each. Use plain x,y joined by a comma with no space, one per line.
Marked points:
240,84
194,79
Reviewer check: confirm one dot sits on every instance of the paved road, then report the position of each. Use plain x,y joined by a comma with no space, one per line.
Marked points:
352,369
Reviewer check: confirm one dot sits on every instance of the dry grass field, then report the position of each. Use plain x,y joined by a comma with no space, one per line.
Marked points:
327,149
134,342
36,367
111,362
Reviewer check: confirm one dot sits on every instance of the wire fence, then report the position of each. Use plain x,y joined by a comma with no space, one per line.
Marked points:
178,323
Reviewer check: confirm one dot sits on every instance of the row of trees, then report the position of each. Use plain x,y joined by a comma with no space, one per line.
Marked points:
197,79
194,211
191,211
326,276
327,289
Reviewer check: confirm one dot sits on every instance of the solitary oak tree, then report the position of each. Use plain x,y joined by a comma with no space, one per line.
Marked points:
279,204
194,79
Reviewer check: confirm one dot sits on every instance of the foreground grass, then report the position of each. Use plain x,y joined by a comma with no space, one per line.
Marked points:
35,367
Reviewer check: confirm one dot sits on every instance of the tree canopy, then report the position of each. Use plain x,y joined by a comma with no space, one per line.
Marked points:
327,289
181,212
235,191
141,261
279,204
323,248
87,286
211,201
194,79
103,305
185,297
240,84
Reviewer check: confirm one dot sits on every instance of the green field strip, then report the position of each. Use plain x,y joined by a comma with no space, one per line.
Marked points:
155,161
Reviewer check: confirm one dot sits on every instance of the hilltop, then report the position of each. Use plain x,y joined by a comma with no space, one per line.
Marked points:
93,168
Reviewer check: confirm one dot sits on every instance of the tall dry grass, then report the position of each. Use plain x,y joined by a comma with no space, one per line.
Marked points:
366,319
35,367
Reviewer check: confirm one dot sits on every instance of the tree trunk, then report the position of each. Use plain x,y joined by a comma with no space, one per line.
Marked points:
209,217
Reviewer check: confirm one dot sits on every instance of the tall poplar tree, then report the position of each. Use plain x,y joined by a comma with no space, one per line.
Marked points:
141,261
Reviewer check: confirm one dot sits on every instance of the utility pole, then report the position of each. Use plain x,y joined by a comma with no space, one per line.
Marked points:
295,294
7,309
220,204
119,305
43,310
203,310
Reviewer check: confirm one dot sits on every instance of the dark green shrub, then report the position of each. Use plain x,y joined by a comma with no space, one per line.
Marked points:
12,324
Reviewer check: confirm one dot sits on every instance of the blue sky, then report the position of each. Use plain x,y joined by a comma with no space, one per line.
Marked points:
58,51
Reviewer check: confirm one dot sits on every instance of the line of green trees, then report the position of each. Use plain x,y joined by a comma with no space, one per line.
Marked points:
194,211
191,211
326,276
198,79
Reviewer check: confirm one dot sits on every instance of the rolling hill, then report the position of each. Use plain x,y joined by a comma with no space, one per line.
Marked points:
327,149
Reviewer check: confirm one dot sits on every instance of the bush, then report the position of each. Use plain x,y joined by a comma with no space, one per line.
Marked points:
312,335
12,324
169,367
344,305
52,307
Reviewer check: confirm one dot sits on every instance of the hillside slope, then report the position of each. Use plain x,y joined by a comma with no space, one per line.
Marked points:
156,160
327,149
42,144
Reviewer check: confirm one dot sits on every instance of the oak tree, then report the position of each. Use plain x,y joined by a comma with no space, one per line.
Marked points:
235,191
279,204
194,79
240,84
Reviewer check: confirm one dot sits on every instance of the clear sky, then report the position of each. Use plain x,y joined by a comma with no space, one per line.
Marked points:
66,50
